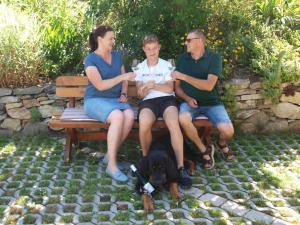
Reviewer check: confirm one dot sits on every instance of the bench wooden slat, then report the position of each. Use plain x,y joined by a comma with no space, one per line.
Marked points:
71,81
78,114
70,92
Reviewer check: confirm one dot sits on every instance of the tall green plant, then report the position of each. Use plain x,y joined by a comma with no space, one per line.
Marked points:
21,55
64,28
271,83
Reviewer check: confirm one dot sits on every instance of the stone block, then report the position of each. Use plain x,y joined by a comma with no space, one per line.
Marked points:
48,110
19,113
257,216
244,114
292,99
240,83
213,199
245,92
235,208
276,126
11,124
47,102
251,97
13,105
5,91
247,128
9,99
27,91
286,110
31,103
255,85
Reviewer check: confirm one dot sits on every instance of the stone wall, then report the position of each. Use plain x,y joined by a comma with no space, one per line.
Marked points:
254,112
257,114
16,106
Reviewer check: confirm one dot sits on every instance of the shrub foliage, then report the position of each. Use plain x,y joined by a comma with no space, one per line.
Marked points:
250,34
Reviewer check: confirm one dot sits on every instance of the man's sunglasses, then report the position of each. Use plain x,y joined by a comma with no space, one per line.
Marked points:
188,40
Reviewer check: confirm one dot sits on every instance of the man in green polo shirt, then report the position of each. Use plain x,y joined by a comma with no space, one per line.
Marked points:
197,73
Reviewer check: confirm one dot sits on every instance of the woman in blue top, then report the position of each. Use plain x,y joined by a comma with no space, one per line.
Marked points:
105,97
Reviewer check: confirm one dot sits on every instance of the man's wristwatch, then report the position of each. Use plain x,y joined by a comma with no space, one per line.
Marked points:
124,94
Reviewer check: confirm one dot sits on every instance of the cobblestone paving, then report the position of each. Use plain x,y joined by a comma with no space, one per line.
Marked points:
261,187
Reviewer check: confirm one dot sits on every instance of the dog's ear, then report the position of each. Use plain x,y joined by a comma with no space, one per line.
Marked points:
171,168
144,166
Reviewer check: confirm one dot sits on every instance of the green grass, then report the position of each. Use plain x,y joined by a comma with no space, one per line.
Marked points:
28,219
122,216
103,218
48,219
86,208
47,180
66,218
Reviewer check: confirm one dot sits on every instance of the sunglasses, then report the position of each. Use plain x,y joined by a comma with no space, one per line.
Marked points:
188,40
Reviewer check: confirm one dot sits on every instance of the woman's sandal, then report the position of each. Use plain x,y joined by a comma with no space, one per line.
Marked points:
226,155
209,163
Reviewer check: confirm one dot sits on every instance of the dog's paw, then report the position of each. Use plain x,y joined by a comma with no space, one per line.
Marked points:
148,203
174,191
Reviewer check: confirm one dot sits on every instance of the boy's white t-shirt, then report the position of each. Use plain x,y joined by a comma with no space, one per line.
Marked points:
160,73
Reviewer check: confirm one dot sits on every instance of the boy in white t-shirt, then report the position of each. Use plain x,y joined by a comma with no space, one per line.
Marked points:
156,87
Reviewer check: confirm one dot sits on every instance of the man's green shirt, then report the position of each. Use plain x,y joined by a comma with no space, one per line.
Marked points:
209,63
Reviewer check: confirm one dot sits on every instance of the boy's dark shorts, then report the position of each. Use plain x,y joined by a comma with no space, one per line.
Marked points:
158,105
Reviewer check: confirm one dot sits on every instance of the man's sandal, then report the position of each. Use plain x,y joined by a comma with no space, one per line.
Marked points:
208,163
229,155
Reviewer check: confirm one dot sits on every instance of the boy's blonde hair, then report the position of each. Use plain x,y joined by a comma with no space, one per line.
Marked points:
151,38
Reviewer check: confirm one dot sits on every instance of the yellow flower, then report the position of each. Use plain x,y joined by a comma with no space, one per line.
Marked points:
220,32
225,60
208,34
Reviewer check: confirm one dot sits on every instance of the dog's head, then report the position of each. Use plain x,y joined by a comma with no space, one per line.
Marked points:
159,168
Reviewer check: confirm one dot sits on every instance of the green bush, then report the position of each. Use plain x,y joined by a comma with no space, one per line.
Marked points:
21,55
64,30
246,33
36,116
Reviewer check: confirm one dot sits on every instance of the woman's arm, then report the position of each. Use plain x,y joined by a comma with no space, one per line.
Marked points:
95,78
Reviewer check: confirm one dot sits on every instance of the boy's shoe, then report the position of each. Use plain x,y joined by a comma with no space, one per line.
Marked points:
185,180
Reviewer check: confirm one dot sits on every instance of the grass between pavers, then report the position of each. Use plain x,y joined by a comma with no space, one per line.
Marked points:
34,178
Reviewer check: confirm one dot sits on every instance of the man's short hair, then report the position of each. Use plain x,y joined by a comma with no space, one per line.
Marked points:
150,38
199,33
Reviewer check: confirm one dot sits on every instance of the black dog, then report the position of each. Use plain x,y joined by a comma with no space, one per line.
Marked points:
159,167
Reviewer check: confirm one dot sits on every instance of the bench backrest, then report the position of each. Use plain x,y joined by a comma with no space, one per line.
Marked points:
73,87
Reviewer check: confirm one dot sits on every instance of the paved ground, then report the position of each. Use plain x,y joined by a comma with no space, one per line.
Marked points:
36,187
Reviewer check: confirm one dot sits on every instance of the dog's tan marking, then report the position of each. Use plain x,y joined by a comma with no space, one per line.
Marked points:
147,203
174,190
192,167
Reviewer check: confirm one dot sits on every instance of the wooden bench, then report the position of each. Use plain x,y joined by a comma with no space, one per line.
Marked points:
73,118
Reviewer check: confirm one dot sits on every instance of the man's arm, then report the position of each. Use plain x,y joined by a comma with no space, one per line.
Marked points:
181,94
205,85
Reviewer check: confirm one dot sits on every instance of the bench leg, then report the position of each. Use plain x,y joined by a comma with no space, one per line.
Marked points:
68,145
207,135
